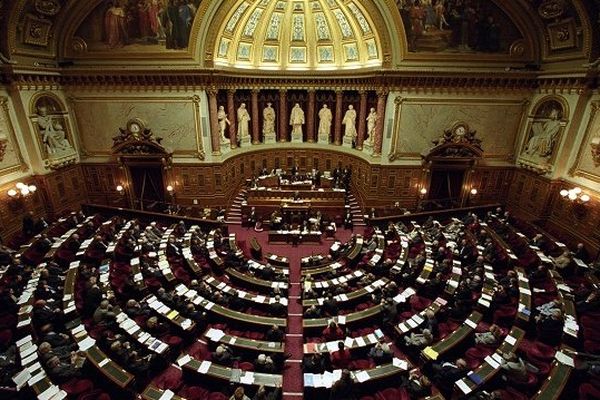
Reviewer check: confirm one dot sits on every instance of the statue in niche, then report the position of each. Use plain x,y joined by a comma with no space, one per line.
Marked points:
325,118
243,120
52,132
269,120
223,122
349,122
297,120
371,122
544,133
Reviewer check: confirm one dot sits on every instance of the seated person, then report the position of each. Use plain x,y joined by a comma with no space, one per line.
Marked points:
223,356
263,394
265,364
417,385
492,337
422,339
239,394
274,334
313,364
341,358
333,332
381,353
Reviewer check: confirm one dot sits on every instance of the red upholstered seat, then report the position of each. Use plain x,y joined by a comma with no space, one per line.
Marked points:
392,394
361,364
588,391
169,379
94,395
537,350
246,366
5,337
194,393
76,386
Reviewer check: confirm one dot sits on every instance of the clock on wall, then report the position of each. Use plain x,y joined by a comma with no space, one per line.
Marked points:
135,127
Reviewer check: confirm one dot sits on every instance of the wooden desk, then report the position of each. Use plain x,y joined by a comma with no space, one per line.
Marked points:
225,373
295,236
360,376
456,337
347,297
218,336
255,283
342,319
108,367
153,393
356,248
556,381
485,371
351,343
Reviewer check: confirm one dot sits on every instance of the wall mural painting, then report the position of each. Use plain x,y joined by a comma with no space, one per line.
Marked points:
139,25
457,26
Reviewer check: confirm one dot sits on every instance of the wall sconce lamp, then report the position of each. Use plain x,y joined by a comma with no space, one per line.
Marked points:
120,189
473,192
21,190
575,195
422,192
170,189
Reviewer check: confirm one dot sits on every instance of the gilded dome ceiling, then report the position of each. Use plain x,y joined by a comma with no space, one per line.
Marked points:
297,35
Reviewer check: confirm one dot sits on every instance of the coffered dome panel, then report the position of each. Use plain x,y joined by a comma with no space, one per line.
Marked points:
298,35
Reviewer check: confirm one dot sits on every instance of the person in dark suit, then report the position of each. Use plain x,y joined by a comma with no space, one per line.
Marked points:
344,388
28,224
274,334
313,364
277,309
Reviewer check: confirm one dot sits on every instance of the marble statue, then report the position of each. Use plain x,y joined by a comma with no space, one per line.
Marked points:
544,135
325,118
297,120
349,122
268,120
223,122
243,121
53,134
371,122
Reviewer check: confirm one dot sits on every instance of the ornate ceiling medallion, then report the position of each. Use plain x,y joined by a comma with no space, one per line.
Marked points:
551,9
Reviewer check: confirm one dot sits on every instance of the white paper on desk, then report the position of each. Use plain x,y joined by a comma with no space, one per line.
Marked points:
103,362
510,340
28,350
348,342
24,340
215,334
260,298
184,360
60,395
209,305
398,363
362,376
204,366
484,303
21,378
327,379
372,338
417,318
492,362
463,386
167,395
564,359
497,357
29,359
412,323
23,323
470,323
86,343
341,319
332,346
360,341
34,367
247,378
49,392
525,291
36,378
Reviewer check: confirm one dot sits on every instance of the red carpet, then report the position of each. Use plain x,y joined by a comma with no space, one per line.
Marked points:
293,383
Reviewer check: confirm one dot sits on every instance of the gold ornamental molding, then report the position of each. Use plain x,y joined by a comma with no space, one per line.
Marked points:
587,146
396,152
12,138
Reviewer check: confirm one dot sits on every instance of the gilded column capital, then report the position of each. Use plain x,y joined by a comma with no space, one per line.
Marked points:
383,92
212,91
255,91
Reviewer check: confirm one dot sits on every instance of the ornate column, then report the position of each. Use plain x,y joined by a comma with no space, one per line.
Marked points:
284,119
338,117
310,121
215,138
255,124
362,120
381,100
231,114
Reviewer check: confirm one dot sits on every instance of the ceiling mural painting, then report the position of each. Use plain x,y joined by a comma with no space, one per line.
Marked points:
458,26
138,25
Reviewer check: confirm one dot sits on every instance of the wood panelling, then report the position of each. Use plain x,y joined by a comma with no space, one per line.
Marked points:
58,192
492,184
101,181
530,195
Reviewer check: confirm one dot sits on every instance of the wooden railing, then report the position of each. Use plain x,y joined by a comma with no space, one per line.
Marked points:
438,214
